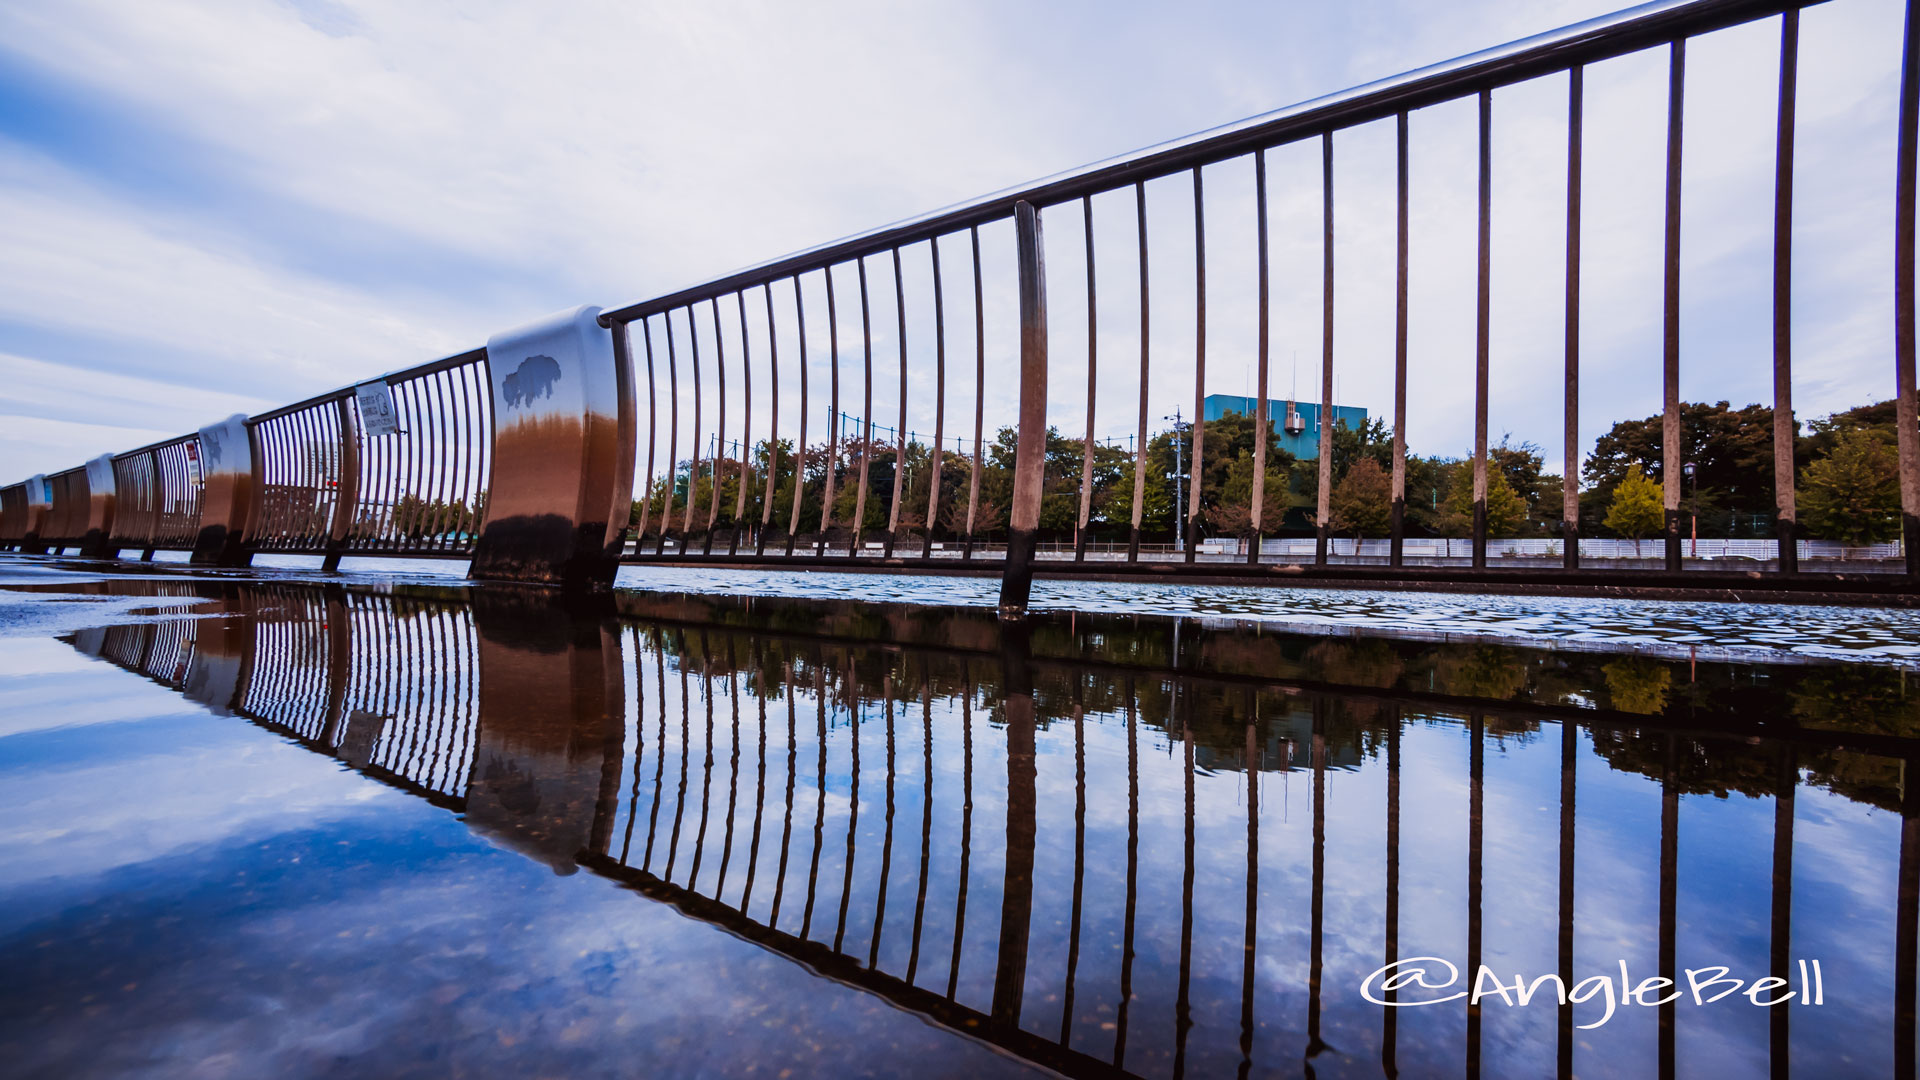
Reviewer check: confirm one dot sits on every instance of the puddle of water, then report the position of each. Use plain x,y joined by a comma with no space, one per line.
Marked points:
457,830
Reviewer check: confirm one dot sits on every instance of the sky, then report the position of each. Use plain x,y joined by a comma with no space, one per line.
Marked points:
208,208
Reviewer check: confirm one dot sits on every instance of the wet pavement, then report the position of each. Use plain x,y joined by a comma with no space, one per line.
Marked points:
283,824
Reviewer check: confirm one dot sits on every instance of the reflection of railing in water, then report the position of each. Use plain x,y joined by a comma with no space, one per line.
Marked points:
389,685
425,485
772,781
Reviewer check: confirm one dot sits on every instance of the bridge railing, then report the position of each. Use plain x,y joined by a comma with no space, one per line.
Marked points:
744,450
158,491
917,286
326,483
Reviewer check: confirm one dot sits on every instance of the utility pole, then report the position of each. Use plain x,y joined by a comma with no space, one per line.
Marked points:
1179,494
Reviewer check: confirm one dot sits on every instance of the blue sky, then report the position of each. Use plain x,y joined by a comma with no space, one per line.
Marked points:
209,208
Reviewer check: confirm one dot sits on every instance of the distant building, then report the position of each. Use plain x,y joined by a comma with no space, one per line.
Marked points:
1297,423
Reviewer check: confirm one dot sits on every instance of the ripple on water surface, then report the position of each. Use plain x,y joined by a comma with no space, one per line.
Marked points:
1708,628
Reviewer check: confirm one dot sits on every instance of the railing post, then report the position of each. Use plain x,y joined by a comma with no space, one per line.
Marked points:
39,504
346,496
226,458
102,502
563,446
1906,409
1030,451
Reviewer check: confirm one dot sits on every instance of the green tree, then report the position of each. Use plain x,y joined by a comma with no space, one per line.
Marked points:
1637,508
1362,500
1638,685
1853,493
1731,451
1506,511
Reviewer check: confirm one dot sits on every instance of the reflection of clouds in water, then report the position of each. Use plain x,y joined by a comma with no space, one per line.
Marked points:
252,960
192,780
1712,630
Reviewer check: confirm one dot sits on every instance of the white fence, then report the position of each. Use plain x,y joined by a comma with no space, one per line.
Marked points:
1428,547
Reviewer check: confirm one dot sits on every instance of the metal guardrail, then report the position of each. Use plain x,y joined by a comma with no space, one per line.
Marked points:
322,484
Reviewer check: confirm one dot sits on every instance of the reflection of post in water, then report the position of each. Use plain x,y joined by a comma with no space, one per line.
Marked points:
1907,923
547,753
339,663
660,753
1079,853
639,740
706,765
1183,1004
1389,1034
1476,773
1317,906
733,767
1251,766
886,844
793,761
853,799
1569,748
686,734
1016,896
966,829
1669,895
1133,872
926,818
819,789
1781,939
760,780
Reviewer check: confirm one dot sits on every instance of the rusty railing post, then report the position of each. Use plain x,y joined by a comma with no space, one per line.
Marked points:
346,493
1906,411
226,451
562,457
1030,452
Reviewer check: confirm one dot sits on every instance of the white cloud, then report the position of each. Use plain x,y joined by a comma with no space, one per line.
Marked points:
532,158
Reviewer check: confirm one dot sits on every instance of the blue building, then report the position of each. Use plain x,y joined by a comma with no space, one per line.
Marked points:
1297,423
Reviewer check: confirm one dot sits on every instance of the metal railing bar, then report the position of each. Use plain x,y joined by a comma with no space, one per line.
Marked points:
800,443
1671,451
773,423
939,398
1323,511
866,411
1786,513
979,393
719,424
746,425
1197,444
1482,341
1262,414
900,440
1397,493
1093,356
1570,468
833,416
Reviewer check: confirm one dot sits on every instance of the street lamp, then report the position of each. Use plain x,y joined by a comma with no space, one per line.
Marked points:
1693,511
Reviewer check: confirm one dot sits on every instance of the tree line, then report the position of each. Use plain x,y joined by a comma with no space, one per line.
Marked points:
1846,468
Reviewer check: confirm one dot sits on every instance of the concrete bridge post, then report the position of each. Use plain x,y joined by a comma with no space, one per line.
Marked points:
102,503
563,443
226,456
39,504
